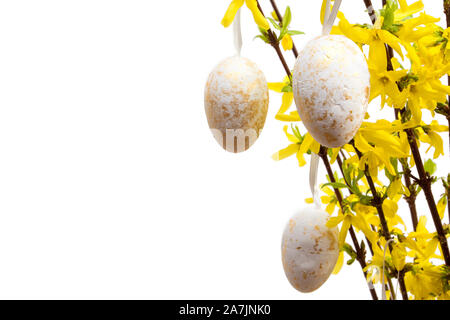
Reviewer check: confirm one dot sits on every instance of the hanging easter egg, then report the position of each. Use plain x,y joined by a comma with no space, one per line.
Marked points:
309,249
331,84
236,103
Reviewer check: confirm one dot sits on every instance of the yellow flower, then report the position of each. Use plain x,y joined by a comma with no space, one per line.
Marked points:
429,134
422,87
407,10
360,222
422,243
334,154
424,93
299,146
424,281
376,38
390,208
286,101
441,205
346,220
363,209
290,150
432,39
399,256
434,140
286,42
339,263
435,126
274,16
384,147
396,189
409,31
383,82
329,199
235,5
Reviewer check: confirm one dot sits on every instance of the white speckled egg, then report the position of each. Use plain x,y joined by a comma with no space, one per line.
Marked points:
236,103
309,249
331,84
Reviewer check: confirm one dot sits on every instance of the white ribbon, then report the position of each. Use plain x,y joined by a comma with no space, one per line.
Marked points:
327,12
383,288
375,269
330,17
313,168
383,285
237,34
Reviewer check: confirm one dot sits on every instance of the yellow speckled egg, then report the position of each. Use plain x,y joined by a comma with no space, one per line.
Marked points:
309,249
236,103
331,84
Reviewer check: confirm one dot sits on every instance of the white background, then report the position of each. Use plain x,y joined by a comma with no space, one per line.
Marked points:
111,185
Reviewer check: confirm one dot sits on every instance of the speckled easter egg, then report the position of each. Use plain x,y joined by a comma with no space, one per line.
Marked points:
236,103
309,249
331,84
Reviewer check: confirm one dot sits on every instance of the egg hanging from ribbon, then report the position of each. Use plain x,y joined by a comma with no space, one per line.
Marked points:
236,103
331,85
309,249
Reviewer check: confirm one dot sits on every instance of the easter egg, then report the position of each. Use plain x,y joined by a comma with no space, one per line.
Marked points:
331,85
309,249
236,103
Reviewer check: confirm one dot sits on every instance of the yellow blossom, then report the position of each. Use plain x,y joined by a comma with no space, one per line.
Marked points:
434,140
286,101
399,256
384,83
376,38
299,146
411,32
235,5
286,42
406,10
441,205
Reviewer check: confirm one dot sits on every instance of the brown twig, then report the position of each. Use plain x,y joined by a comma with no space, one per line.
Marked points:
370,10
360,256
425,184
275,44
340,165
411,199
377,202
280,19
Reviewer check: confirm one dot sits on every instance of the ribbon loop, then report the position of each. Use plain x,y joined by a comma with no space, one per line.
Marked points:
313,169
237,34
330,17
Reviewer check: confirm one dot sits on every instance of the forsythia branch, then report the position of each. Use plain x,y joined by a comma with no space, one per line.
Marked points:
361,258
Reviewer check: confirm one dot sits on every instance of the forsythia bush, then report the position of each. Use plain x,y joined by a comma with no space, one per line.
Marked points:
408,54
